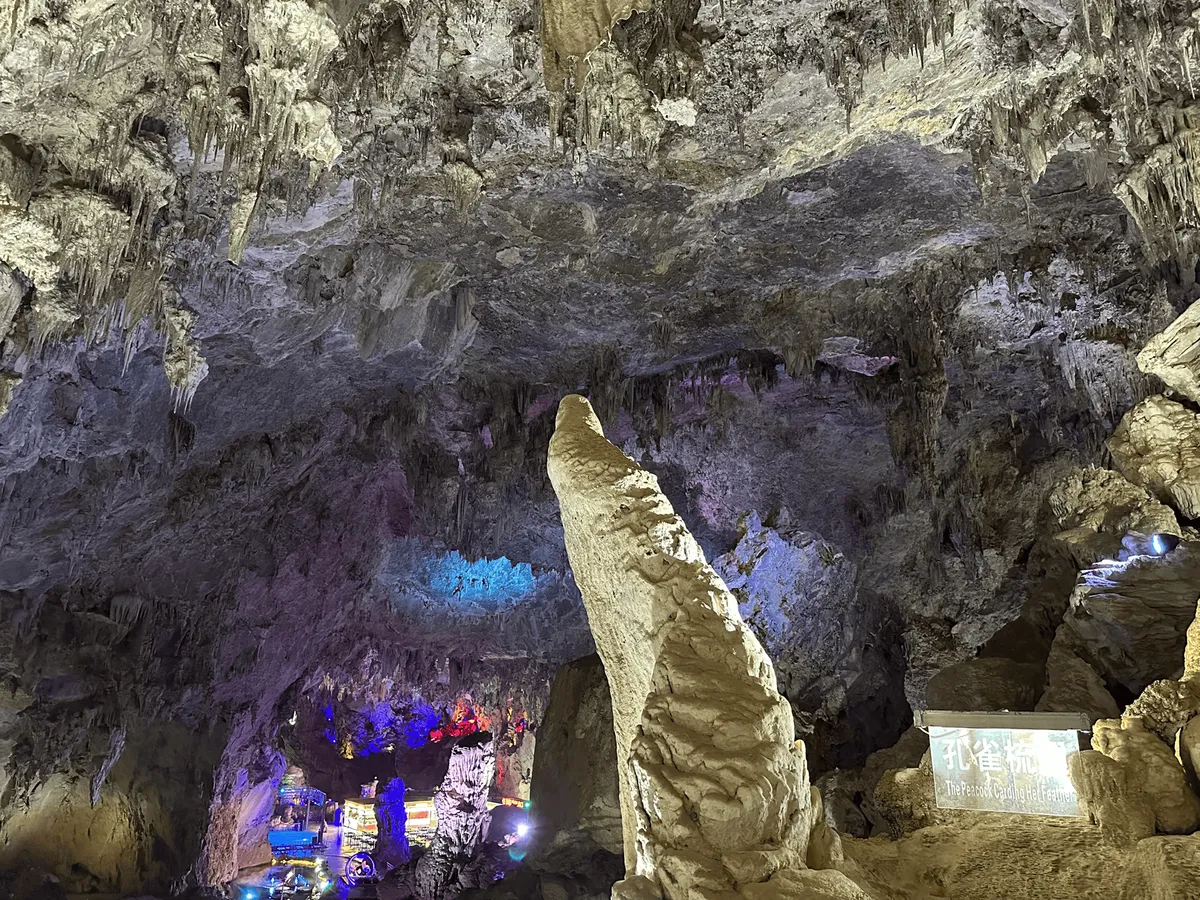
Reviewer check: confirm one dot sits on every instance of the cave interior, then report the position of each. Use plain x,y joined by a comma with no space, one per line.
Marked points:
575,449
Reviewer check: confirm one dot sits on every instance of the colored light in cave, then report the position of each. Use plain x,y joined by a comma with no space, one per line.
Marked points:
423,720
331,735
328,711
375,728
523,830
485,580
516,855
1162,544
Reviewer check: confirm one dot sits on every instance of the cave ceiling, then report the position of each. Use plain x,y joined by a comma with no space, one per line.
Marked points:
291,290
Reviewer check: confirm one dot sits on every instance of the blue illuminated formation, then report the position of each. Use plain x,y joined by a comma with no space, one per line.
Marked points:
1162,544
422,576
331,735
391,814
482,581
423,719
328,711
375,729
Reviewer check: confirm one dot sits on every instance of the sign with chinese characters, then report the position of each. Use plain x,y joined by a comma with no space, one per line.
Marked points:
1014,770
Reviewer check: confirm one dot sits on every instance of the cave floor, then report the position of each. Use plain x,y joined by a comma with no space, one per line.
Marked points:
335,851
997,858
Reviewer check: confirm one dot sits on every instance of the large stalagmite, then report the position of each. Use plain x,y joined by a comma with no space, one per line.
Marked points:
715,793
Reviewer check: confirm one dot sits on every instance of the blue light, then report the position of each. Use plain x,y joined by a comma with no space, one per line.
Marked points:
423,719
331,735
374,729
483,581
1158,544
328,711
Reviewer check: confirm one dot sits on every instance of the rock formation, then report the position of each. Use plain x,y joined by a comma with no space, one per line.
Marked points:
715,791
574,787
392,848
798,595
461,804
1156,446
290,291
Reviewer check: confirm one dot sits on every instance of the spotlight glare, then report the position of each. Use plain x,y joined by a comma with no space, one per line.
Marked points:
523,829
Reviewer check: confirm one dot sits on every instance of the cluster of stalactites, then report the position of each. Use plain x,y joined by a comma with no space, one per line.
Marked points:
1162,192
598,92
259,113
609,108
92,253
1127,94
845,38
81,222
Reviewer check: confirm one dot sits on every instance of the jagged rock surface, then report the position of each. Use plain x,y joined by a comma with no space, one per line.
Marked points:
1129,620
1151,769
1157,445
1174,354
798,594
763,252
716,792
462,812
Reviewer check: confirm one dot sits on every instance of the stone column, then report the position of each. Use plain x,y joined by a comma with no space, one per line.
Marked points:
714,786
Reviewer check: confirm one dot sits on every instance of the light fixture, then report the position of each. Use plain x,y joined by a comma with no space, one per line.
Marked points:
523,829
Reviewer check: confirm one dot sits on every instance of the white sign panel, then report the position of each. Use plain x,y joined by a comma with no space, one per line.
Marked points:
1004,770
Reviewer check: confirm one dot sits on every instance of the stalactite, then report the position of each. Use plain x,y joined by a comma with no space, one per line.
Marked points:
844,39
1128,97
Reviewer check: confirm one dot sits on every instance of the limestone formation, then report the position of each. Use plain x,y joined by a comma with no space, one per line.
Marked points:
392,847
1113,797
715,790
574,788
1164,707
849,796
1157,445
1129,619
1152,769
1191,651
797,592
573,29
986,684
1097,507
1187,750
905,802
461,804
1072,685
1174,354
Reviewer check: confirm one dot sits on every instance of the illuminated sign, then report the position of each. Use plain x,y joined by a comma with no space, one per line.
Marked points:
980,765
360,818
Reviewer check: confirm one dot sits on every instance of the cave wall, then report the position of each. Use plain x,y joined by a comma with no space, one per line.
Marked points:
145,829
883,266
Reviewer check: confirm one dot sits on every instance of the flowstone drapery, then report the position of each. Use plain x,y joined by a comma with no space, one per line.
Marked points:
715,795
